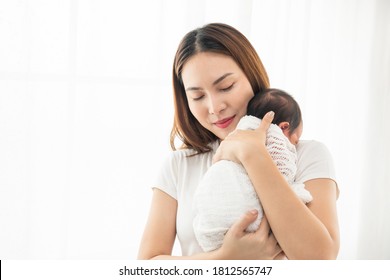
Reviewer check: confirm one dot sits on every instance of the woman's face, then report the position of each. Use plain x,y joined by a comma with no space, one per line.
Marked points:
217,90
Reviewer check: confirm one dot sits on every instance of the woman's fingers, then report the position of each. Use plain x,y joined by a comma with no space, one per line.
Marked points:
217,156
226,151
277,249
242,224
241,143
239,244
266,121
264,233
264,227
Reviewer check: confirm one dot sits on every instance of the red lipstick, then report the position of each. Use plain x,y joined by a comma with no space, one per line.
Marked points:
224,122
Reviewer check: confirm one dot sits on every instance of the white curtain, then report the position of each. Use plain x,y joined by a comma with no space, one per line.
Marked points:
86,111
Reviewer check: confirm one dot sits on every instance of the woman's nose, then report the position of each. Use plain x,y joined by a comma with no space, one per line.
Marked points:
216,105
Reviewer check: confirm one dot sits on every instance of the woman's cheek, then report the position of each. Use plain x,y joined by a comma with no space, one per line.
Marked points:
196,110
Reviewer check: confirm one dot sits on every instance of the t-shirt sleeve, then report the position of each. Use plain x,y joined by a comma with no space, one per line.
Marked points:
314,162
166,179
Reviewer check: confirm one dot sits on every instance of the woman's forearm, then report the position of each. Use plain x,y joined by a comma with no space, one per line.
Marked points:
300,233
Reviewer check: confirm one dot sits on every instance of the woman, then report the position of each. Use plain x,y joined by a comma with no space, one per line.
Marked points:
216,72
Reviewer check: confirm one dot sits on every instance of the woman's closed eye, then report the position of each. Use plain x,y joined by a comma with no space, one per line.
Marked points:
197,98
227,88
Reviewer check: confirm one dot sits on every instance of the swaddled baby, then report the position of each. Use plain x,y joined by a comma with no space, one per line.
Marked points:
226,192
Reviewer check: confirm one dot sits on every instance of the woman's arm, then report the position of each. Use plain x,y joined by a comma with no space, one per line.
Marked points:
160,231
303,232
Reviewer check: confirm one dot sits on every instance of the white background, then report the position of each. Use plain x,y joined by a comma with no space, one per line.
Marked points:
86,111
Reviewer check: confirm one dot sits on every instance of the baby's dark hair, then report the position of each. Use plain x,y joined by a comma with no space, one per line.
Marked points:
284,106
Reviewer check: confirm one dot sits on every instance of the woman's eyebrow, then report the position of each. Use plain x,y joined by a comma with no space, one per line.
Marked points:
221,78
194,88
214,83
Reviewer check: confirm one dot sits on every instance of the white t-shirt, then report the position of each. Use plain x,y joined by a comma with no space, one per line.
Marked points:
180,175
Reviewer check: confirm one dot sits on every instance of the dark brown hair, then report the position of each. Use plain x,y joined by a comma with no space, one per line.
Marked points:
217,38
285,107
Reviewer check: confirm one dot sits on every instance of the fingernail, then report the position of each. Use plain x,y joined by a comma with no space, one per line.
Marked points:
254,212
271,113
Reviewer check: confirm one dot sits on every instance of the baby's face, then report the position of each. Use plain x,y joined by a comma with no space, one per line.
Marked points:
294,137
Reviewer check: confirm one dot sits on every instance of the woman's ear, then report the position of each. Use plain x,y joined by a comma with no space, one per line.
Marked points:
284,126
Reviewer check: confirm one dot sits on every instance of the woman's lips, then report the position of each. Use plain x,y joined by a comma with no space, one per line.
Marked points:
224,122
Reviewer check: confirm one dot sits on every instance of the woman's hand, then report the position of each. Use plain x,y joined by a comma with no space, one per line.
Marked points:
259,245
240,144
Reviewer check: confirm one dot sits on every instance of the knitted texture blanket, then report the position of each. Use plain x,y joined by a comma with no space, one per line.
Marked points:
226,192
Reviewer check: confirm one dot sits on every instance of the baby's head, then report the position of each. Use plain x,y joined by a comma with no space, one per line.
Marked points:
288,115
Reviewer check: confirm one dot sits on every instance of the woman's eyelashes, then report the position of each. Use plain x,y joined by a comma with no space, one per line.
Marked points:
223,89
197,98
226,89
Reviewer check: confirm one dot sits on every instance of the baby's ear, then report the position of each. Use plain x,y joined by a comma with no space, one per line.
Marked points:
284,126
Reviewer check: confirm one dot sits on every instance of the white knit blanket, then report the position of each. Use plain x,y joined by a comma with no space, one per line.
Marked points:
226,192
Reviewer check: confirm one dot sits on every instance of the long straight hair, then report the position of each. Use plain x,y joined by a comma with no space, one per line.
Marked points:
217,38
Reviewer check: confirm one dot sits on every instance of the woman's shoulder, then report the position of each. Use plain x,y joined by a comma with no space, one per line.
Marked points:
314,161
186,155
310,145
311,152
182,165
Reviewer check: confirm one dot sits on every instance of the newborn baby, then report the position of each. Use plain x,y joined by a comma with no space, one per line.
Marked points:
226,192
